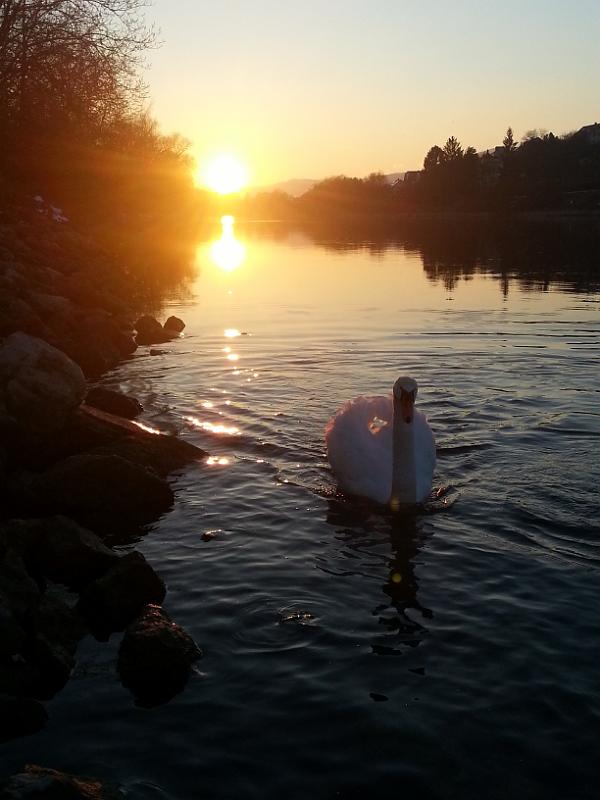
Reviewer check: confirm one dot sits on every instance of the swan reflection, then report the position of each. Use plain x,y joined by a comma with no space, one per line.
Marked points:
227,252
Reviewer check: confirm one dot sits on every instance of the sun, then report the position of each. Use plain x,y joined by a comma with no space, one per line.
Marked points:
224,174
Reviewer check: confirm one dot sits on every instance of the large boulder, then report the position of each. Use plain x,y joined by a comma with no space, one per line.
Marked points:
49,784
56,631
58,549
113,402
100,490
111,602
150,331
39,385
174,325
155,657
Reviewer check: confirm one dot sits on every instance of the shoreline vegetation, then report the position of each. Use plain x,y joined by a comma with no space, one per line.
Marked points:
99,219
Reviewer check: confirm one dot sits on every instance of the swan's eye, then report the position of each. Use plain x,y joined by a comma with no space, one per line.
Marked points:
376,424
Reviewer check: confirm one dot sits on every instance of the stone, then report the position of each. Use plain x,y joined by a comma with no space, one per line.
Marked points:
102,433
150,331
111,602
12,635
113,402
174,324
57,629
49,784
156,656
19,593
101,490
58,549
39,385
19,716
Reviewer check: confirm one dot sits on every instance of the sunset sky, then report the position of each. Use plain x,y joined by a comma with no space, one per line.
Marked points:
320,87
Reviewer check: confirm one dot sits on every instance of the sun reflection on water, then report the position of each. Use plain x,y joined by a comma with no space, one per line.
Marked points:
228,253
211,427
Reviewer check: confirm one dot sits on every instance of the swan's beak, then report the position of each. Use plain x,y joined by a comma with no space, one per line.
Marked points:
407,405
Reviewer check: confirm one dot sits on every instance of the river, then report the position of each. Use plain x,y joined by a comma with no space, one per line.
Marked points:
350,652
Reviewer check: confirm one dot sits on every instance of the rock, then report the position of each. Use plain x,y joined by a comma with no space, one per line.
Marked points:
19,716
103,433
39,385
49,784
113,402
155,657
101,490
19,593
174,324
111,602
155,352
12,635
57,629
150,331
59,550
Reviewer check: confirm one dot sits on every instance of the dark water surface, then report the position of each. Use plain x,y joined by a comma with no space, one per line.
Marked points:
349,652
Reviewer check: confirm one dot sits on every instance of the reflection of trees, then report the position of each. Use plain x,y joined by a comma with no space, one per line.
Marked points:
535,254
355,524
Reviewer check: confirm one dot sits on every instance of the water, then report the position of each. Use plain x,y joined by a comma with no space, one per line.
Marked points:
349,652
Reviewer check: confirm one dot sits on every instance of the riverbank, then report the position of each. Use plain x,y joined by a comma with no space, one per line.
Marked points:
78,474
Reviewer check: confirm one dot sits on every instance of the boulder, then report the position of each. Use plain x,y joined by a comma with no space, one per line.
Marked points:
155,657
19,593
58,549
174,324
12,635
56,631
111,602
19,716
49,784
117,403
39,385
150,331
101,490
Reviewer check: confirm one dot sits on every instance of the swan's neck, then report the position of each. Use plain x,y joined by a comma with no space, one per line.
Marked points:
404,471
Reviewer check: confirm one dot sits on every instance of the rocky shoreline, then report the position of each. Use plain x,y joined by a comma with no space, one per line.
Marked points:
77,474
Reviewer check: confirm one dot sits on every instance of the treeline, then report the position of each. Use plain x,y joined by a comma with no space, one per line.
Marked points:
542,172
73,124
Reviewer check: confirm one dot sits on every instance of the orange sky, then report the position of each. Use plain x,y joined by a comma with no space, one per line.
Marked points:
311,89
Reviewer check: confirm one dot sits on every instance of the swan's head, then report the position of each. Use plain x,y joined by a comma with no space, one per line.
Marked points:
405,394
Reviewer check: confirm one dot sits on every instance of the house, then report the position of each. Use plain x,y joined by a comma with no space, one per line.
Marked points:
413,176
591,133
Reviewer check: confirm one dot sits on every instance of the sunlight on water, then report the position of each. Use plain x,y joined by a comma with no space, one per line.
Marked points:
227,252
211,427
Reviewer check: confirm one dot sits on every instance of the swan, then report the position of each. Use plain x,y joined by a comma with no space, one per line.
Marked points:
383,448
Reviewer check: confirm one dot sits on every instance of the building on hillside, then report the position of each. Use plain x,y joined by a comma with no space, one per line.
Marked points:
591,133
413,176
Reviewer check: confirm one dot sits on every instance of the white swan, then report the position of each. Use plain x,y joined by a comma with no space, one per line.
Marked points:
383,449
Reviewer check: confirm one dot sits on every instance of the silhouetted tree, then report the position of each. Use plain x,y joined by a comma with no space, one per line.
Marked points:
509,142
452,149
435,156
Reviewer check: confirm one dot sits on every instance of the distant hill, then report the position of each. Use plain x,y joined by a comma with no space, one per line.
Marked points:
298,186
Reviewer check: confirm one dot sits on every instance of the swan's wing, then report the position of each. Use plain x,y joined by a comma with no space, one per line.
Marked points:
359,447
425,455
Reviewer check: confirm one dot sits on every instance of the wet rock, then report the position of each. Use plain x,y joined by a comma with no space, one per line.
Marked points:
150,331
19,593
39,385
155,657
57,629
155,352
49,784
12,635
103,433
174,324
110,603
122,405
19,716
97,489
69,554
